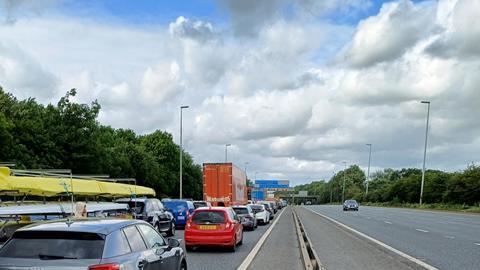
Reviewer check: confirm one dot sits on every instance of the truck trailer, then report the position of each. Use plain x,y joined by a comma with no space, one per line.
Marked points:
224,184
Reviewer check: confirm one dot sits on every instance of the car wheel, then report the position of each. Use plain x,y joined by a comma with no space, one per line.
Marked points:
234,247
183,266
241,241
171,231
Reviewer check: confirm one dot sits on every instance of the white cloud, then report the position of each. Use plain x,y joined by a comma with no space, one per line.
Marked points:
160,84
386,36
461,34
22,73
274,95
194,29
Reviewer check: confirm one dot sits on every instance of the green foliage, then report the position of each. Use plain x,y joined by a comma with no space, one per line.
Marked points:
68,135
401,187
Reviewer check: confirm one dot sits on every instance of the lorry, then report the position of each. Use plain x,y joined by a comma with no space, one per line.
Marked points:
224,184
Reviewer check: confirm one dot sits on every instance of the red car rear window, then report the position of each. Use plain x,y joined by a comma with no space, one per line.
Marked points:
208,217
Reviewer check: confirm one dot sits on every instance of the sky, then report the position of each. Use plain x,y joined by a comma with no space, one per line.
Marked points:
296,87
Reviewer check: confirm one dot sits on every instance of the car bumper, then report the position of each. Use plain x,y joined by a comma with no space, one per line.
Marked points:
201,240
249,224
181,220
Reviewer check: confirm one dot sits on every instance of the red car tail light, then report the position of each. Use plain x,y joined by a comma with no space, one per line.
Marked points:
227,225
109,266
189,224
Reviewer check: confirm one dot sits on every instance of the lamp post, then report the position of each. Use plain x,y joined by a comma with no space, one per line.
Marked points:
181,147
246,164
425,149
368,170
226,151
344,177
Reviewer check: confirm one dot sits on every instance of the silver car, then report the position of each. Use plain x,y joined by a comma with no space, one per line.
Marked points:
249,220
91,244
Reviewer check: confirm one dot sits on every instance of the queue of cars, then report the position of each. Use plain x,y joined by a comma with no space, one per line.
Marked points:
135,243
224,226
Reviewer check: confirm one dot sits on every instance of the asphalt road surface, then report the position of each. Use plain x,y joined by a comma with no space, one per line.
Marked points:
441,239
210,258
281,249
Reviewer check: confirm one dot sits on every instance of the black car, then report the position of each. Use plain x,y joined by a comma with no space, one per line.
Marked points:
94,244
350,205
152,211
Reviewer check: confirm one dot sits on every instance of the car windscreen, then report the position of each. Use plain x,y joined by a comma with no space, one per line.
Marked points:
267,206
200,204
352,202
240,210
176,206
54,245
257,208
137,207
214,217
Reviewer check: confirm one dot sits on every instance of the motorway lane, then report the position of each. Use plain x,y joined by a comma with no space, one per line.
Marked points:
339,249
443,240
210,258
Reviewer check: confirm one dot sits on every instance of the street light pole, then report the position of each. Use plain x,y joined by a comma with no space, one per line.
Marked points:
425,149
344,177
246,163
368,170
226,151
181,148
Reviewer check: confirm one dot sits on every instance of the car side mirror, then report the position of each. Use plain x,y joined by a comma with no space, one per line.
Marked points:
159,251
172,242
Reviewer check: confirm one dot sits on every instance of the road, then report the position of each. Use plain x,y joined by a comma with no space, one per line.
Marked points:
443,240
209,258
281,249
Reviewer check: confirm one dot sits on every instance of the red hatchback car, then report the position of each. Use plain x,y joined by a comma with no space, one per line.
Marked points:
214,226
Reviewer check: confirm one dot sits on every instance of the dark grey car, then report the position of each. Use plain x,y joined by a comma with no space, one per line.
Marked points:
248,216
350,205
91,244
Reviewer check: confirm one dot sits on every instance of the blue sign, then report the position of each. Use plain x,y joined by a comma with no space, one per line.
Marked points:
258,195
272,184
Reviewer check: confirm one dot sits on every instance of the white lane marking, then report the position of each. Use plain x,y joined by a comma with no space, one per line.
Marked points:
420,230
249,259
449,237
402,254
388,222
478,244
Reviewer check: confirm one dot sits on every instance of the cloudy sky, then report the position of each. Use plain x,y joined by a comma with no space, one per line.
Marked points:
295,87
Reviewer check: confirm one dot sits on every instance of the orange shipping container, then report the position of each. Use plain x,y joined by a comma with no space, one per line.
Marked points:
224,184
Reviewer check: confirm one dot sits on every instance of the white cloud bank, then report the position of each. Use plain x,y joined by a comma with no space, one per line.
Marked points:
259,86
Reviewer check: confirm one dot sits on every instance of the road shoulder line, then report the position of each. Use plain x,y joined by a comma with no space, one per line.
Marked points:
392,249
249,259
